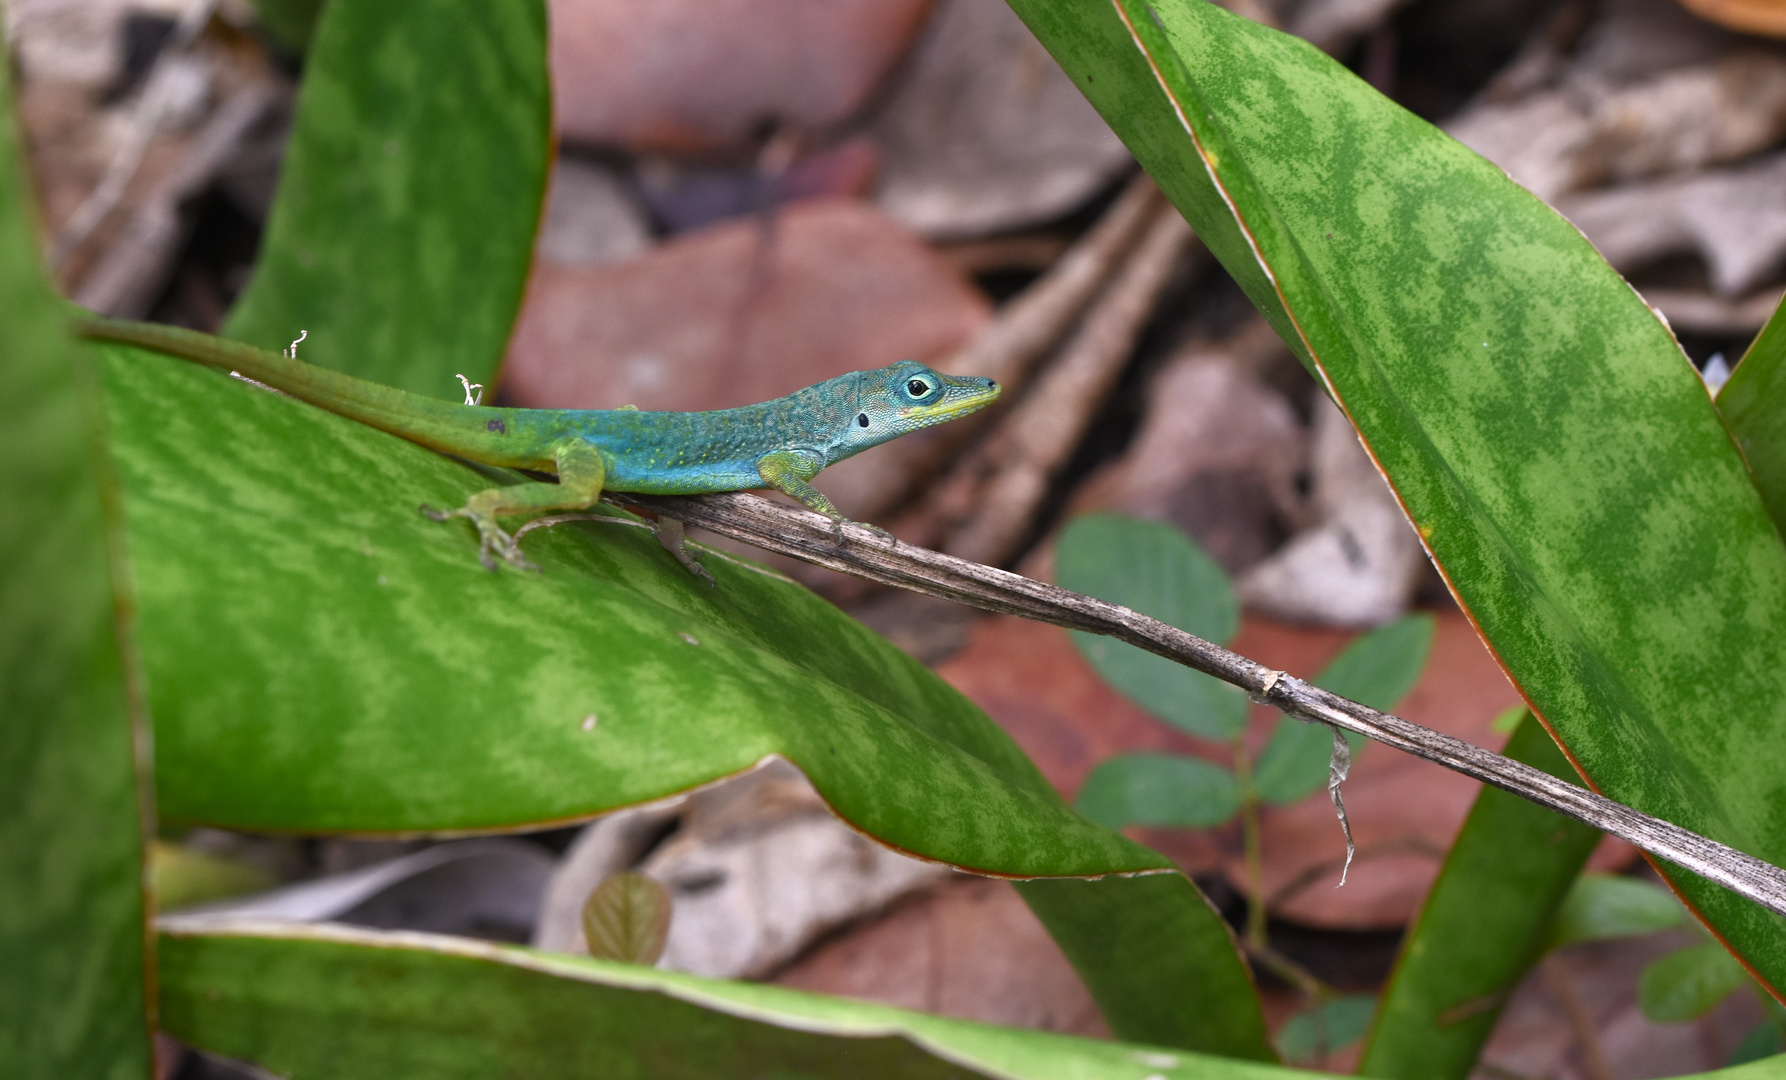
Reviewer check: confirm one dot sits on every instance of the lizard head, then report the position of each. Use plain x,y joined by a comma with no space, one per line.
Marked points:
906,396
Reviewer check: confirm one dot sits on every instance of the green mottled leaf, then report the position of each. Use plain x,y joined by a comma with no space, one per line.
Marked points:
1485,922
322,658
1159,571
1753,403
1380,667
402,230
1377,669
1333,1025
1163,966
348,1004
71,832
1158,789
1542,428
627,918
1294,763
1688,983
1600,907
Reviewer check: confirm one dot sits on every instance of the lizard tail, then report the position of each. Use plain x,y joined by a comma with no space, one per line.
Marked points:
470,431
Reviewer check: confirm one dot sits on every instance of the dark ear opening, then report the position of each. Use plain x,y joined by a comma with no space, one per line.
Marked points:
861,419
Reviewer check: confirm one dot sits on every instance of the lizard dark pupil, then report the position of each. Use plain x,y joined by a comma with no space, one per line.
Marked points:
861,419
918,387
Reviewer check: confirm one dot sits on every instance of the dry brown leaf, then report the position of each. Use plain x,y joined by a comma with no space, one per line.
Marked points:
627,918
706,75
1217,454
1749,16
1534,1037
591,217
756,867
985,133
739,313
970,948
1735,219
1361,562
1648,91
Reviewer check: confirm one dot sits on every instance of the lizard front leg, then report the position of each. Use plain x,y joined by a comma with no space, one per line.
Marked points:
581,473
788,471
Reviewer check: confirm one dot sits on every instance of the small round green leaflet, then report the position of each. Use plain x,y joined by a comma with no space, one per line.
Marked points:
1689,983
1377,669
1600,907
1159,789
1380,667
1157,570
1310,1036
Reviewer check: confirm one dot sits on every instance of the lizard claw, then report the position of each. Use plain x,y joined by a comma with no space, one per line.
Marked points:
837,524
493,539
892,541
493,542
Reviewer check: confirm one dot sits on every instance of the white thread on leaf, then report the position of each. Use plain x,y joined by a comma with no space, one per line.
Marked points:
291,351
239,377
471,398
1337,768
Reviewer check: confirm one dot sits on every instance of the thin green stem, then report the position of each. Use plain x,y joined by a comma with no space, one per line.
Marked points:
1255,855
1312,988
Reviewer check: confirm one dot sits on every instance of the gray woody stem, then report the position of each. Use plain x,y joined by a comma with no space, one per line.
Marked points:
809,537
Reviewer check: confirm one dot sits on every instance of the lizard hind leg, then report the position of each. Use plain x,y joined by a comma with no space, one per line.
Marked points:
581,473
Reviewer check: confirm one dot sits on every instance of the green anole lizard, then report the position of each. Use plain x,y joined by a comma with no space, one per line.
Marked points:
779,444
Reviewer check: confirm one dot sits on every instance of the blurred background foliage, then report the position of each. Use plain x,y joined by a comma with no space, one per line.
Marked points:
696,205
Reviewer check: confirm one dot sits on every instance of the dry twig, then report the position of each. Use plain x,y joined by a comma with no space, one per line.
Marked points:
124,281
862,552
1022,333
1702,313
1041,432
145,121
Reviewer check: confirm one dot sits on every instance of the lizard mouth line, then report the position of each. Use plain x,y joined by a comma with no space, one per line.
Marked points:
947,410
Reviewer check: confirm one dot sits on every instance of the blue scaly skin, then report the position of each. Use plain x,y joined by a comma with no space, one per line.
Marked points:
779,444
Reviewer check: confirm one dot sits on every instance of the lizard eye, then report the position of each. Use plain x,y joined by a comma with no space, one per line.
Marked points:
917,387
861,419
